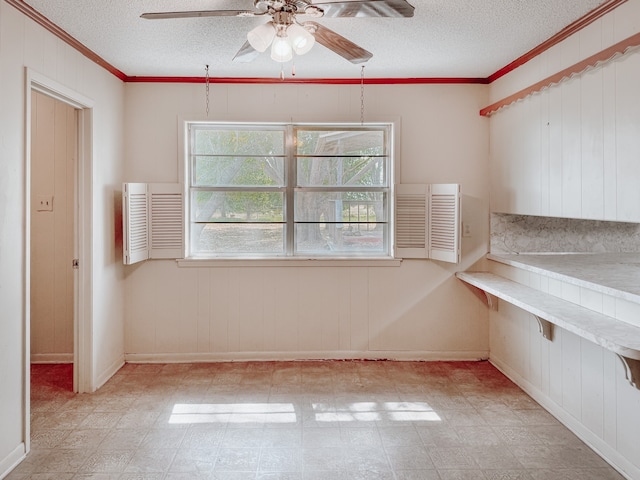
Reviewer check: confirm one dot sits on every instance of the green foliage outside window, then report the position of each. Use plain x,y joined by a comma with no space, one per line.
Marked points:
239,176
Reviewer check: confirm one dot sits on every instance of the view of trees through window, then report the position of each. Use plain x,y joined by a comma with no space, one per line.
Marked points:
276,190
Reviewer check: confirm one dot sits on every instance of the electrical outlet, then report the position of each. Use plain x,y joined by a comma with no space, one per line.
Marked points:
466,229
44,203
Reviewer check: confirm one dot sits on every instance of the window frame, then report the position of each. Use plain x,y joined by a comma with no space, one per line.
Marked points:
291,188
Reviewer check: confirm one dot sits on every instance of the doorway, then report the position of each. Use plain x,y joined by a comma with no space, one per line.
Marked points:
76,203
54,153
59,250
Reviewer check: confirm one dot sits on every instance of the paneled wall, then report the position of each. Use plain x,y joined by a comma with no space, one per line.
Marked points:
571,150
25,44
54,131
409,311
580,382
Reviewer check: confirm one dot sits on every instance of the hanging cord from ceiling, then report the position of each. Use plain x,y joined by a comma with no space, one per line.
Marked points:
206,88
362,96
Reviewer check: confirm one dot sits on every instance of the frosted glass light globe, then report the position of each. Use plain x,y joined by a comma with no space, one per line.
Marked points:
301,39
281,50
261,36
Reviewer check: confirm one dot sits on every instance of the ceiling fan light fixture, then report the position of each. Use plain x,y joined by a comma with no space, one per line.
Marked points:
301,39
281,50
261,37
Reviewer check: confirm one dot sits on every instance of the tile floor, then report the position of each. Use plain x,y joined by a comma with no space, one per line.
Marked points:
352,420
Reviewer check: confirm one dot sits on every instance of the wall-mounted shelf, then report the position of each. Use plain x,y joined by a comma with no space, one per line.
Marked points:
615,335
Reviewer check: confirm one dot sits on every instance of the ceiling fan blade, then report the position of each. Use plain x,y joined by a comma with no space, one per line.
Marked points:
338,44
366,8
198,13
246,53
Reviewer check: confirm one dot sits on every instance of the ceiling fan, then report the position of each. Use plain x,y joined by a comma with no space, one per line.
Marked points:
286,34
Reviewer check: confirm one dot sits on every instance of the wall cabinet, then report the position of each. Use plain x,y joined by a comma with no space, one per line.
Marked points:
572,150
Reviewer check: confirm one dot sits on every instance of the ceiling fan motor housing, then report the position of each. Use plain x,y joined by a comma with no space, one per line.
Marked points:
292,6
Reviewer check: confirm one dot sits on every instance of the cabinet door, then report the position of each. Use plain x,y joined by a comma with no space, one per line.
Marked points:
515,158
571,149
627,135
592,109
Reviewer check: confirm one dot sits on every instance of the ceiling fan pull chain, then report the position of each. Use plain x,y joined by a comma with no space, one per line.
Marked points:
206,83
362,96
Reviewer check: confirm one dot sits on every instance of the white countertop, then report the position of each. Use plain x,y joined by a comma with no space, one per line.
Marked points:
618,336
616,274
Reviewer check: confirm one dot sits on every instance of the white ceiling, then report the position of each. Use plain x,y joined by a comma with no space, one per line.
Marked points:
445,38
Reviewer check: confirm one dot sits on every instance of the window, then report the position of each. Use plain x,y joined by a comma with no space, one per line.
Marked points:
301,190
314,191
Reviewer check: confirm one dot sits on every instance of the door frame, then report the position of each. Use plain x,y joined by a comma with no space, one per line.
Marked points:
83,376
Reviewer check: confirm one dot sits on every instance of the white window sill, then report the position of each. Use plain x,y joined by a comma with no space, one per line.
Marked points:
289,262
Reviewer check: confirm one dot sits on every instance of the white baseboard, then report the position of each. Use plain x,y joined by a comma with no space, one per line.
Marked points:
597,444
109,372
291,356
52,358
12,460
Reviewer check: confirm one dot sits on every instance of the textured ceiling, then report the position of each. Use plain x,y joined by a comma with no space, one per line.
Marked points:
445,38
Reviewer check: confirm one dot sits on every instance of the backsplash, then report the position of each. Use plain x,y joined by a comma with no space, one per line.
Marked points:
529,234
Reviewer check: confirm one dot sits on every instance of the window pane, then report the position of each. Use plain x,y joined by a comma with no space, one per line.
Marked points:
340,142
237,238
348,207
343,239
331,171
237,141
235,171
235,207
240,187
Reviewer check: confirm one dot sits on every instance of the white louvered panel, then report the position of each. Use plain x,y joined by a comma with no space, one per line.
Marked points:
138,233
411,229
166,220
411,221
444,219
135,217
166,212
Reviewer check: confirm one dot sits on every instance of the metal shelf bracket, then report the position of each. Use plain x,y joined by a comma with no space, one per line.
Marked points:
631,370
545,327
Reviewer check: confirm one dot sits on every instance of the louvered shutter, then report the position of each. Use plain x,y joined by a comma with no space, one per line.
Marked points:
166,226
152,217
427,219
135,222
444,222
411,213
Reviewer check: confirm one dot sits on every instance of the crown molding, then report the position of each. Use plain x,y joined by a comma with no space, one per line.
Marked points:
48,25
629,44
563,34
312,81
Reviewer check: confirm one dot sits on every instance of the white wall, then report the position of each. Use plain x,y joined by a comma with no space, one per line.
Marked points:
571,150
410,311
23,43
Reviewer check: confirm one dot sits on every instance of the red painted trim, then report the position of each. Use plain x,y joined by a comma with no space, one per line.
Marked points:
309,81
606,54
569,30
43,21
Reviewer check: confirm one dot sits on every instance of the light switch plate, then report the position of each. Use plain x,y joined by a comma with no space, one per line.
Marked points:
466,229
